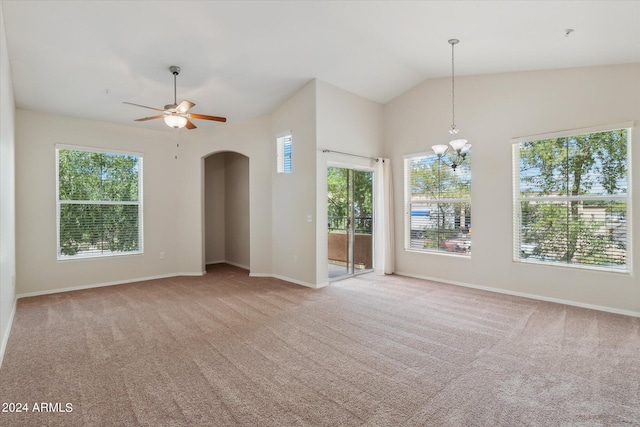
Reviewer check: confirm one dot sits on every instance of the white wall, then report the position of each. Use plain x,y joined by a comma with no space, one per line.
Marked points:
7,193
319,116
237,210
490,110
346,123
214,208
294,196
38,270
173,199
252,139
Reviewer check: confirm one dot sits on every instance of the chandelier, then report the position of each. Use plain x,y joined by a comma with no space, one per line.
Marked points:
460,147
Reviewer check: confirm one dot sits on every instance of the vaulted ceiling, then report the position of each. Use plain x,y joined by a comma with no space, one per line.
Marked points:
241,59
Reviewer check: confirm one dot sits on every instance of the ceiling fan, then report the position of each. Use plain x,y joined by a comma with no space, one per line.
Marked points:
177,115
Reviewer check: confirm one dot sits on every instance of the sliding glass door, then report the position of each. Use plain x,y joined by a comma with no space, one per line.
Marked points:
350,221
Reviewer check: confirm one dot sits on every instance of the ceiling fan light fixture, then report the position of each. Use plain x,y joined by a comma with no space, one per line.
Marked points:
177,115
175,121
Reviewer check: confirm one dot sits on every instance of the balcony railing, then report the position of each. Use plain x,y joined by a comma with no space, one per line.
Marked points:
363,225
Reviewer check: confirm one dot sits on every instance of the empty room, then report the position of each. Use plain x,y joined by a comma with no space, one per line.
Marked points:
319,213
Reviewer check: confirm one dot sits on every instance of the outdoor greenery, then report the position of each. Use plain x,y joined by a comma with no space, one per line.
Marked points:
340,182
98,198
440,204
573,198
434,180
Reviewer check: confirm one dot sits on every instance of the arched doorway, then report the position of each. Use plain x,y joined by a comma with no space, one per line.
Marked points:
226,209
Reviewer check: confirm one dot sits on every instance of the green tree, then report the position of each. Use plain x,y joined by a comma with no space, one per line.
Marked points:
338,193
592,164
88,184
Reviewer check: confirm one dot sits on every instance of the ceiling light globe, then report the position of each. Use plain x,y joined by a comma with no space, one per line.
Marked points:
175,121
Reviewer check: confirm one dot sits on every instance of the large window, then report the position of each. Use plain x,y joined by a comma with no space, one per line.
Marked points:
572,199
99,202
437,205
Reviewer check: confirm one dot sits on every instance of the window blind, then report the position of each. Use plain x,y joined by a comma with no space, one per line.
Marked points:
437,205
283,149
572,200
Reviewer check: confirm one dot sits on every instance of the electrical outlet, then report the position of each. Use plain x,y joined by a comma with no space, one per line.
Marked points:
161,255
295,258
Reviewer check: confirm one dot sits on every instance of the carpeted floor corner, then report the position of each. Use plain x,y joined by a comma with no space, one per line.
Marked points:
227,349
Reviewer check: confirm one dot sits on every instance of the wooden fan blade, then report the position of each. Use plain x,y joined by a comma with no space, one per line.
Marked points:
184,106
143,106
149,118
190,125
205,117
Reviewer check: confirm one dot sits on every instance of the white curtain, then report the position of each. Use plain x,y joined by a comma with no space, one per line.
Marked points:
384,255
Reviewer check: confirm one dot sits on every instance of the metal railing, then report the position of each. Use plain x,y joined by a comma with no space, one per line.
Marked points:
363,225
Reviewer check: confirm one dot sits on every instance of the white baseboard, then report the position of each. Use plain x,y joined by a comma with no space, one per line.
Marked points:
524,295
275,276
7,331
164,276
195,273
235,264
288,279
100,285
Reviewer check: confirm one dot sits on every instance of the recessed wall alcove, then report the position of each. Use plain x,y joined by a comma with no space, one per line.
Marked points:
226,209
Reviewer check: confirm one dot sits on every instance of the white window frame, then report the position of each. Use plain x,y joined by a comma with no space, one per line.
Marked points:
517,199
59,203
408,204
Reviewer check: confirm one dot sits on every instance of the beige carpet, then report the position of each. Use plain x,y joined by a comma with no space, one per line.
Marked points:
226,349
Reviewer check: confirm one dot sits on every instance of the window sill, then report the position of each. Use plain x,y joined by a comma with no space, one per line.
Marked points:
96,256
442,253
587,268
